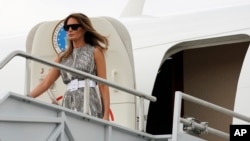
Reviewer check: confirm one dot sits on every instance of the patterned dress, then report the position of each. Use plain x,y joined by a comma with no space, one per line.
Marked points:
82,59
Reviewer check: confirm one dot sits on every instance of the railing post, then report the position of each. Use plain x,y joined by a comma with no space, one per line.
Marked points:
177,114
86,97
27,77
141,115
108,133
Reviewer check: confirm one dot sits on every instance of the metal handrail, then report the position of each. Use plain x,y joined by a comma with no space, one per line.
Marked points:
178,100
88,76
71,70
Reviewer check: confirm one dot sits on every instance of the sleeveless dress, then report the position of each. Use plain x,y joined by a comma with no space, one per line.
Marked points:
82,59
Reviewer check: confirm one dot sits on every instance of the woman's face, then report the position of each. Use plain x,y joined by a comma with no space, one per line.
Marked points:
74,30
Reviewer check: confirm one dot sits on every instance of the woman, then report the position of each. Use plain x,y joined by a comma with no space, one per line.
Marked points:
85,52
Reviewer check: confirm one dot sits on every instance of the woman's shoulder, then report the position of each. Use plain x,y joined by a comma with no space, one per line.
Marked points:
60,57
98,52
98,49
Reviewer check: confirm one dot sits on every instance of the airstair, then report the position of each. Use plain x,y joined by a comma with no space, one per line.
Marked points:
24,118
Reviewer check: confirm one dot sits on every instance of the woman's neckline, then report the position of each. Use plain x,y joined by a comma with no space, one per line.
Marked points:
80,46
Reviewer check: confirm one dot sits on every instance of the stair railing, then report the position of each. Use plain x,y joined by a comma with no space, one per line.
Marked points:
28,56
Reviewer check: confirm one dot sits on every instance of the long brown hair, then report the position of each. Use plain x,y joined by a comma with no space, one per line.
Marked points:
91,36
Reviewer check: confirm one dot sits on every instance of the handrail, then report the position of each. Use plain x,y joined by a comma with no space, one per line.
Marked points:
178,100
65,68
88,76
215,107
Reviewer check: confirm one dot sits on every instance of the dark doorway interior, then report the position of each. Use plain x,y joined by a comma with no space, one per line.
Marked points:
169,79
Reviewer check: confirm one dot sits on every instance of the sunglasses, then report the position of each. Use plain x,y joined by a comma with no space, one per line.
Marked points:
72,26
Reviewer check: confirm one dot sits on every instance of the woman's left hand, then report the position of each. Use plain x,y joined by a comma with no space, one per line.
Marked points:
106,118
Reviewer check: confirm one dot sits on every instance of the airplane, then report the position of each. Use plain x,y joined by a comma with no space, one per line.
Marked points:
203,54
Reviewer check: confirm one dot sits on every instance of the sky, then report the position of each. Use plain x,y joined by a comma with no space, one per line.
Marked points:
18,17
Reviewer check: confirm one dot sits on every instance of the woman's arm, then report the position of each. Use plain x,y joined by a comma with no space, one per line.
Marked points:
101,72
48,81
